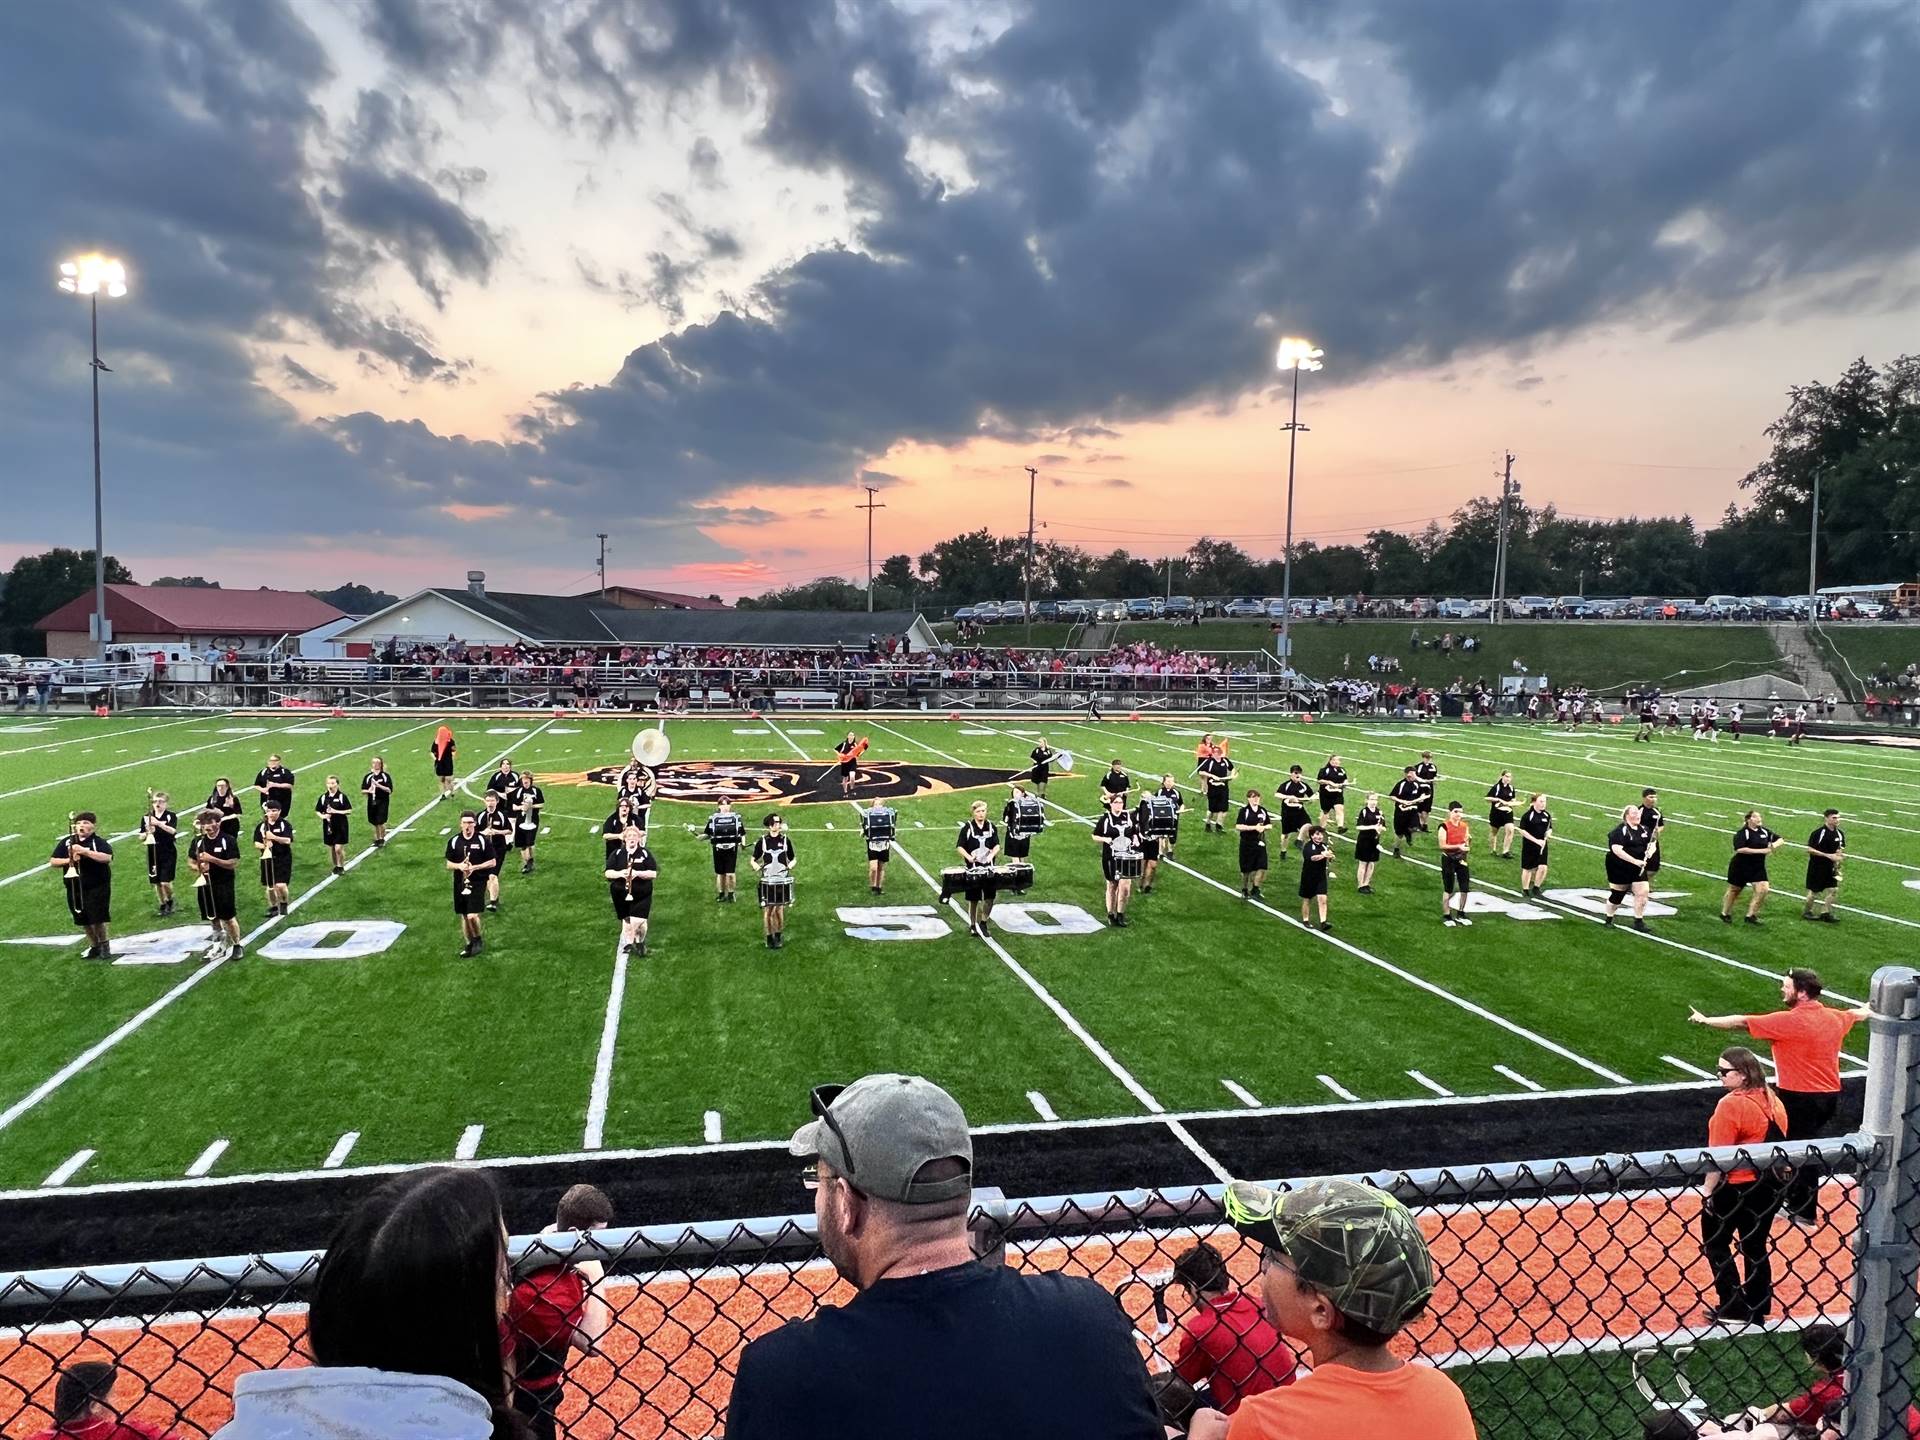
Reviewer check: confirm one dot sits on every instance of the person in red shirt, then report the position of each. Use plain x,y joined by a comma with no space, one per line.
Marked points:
1455,878
1806,1038
553,1313
83,1407
1228,1345
1739,1205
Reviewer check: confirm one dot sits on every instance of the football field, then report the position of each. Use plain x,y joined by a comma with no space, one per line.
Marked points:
353,1034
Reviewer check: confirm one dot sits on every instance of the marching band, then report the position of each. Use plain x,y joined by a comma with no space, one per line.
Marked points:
1136,829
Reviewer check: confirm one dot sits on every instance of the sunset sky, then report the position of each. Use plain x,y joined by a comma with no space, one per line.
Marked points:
425,285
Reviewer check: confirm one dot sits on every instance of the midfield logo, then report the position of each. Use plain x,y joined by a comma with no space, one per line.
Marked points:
796,782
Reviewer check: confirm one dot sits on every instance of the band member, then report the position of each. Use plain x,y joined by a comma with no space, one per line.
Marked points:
614,827
1293,794
1536,832
1116,782
1405,795
503,780
1628,844
527,799
639,785
158,829
1826,850
442,751
495,826
227,803
334,808
1316,874
1043,755
1252,823
468,855
1368,827
1119,840
1500,798
1155,848
631,871
273,838
1217,771
978,846
849,751
214,856
1019,845
377,786
1649,717
275,782
1333,792
1456,879
1655,824
724,831
1428,774
1752,844
773,859
876,827
84,859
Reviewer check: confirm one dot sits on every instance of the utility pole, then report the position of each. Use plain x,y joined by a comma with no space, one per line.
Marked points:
1813,553
871,506
1500,550
601,536
1026,604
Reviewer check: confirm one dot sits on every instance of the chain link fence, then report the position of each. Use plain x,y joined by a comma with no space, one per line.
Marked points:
1573,1294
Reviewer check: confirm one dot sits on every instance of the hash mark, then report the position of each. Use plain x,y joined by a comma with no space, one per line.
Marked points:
1434,1085
1040,1105
1336,1087
710,1127
66,1170
1691,1069
1519,1079
342,1148
469,1145
207,1158
1240,1093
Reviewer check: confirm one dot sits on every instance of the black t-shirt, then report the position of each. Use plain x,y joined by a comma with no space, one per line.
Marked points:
1042,755
1426,772
329,803
1332,778
163,840
495,826
474,850
1536,823
503,782
1116,782
1253,815
971,1352
845,750
1829,840
1755,837
229,807
1633,839
1651,818
767,850
1218,770
1501,796
1294,793
1406,792
92,873
623,859
380,782
1314,857
276,781
972,838
527,800
220,847
1369,816
1122,835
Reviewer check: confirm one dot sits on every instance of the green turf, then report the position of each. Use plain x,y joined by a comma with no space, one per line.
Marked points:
1868,646
410,1046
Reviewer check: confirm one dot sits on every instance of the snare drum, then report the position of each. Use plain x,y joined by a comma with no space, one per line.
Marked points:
1015,878
1129,867
973,881
1163,817
776,891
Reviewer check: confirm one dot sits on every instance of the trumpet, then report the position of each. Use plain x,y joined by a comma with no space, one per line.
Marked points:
466,878
627,864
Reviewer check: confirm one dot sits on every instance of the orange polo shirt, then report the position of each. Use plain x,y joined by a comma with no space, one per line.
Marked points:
1741,1119
1414,1402
1806,1044
1455,835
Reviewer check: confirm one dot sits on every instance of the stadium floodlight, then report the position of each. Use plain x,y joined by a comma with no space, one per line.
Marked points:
1295,354
88,275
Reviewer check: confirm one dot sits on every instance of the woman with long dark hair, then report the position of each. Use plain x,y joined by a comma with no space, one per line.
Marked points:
403,1327
1740,1204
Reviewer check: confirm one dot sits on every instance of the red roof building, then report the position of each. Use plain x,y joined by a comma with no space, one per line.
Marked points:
176,614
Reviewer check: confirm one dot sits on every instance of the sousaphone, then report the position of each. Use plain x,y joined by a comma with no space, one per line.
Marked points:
651,747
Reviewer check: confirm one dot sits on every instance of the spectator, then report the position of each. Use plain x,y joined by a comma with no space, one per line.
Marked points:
404,1324
1343,1267
1228,1345
83,1407
934,1344
1739,1205
1816,1411
1806,1039
554,1312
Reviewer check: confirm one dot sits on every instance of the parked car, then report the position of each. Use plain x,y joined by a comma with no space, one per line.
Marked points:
1724,607
1245,607
1076,609
1457,609
1572,607
1529,607
1047,610
1180,607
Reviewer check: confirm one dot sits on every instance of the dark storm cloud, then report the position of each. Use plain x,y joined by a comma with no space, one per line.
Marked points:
1147,194
300,378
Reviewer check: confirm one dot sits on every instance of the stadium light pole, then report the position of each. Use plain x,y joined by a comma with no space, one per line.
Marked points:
1296,355
88,275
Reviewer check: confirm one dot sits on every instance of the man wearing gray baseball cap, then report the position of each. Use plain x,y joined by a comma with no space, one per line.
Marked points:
935,1344
1343,1267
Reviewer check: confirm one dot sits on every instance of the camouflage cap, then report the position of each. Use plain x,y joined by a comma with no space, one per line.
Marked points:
1358,1246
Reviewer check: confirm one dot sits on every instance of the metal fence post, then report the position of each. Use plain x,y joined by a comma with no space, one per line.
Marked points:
1887,1246
988,1222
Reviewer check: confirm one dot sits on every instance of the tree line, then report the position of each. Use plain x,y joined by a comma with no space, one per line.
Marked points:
1860,435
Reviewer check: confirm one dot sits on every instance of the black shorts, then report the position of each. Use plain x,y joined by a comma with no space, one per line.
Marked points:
1532,853
1330,799
161,866
1313,882
497,852
1252,856
333,830
1366,847
443,766
725,862
1499,819
1822,874
1040,774
1019,847
879,854
1216,799
1426,802
640,907
282,865
469,904
1405,822
1454,874
96,904
219,902
1746,870
525,836
1293,819
377,810
1149,847
1622,877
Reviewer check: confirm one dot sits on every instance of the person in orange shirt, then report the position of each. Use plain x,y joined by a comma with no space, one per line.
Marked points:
1739,1206
1343,1267
1806,1039
1454,877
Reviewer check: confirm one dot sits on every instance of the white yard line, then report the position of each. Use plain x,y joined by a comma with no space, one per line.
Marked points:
1241,1093
1522,1081
1434,1085
204,1165
67,1169
342,1148
1688,1067
1040,1105
135,764
710,1127
602,1087
135,730
1337,1088
469,1145
93,1052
